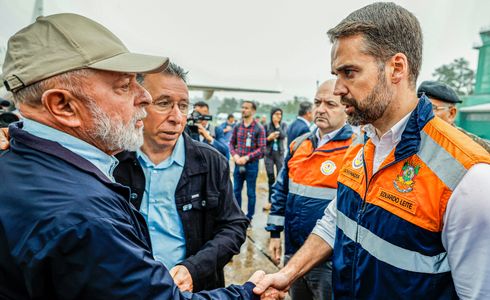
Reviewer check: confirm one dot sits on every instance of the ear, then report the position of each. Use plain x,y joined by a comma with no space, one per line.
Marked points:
452,114
399,68
62,106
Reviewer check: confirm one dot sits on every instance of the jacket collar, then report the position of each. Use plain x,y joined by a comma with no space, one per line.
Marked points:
344,134
410,140
53,149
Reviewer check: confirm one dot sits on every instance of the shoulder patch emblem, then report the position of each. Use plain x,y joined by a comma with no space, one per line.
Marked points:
405,180
328,167
357,162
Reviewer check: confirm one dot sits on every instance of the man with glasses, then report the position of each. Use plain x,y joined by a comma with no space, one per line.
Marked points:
444,101
183,190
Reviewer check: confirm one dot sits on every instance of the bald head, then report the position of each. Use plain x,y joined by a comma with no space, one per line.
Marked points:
329,114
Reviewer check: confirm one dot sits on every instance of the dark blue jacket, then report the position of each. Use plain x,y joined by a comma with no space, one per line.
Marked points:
297,128
67,232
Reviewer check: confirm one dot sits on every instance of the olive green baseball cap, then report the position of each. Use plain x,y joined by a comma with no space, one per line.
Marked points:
63,42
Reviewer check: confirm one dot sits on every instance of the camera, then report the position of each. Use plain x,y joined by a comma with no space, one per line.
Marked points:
195,118
6,117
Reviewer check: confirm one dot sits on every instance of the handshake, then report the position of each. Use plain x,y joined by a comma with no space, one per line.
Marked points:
271,286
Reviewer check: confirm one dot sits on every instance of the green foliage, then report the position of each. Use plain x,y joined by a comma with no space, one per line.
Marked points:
457,75
229,105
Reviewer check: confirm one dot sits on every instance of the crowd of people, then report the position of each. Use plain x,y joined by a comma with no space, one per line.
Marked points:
113,187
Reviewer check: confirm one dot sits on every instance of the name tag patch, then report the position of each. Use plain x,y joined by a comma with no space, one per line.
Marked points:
398,201
356,176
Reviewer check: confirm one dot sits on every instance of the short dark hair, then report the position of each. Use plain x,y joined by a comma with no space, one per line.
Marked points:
201,104
230,116
387,29
304,108
172,70
254,106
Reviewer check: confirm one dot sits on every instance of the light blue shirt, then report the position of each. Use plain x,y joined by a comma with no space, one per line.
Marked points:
104,162
158,205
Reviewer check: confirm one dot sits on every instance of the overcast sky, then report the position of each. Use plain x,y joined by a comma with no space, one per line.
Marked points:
258,43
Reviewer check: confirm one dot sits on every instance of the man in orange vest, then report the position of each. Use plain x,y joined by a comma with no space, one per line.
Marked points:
306,185
410,220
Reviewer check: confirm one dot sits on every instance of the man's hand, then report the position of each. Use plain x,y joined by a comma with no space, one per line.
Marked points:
4,139
266,294
277,281
240,160
227,128
275,250
182,278
205,134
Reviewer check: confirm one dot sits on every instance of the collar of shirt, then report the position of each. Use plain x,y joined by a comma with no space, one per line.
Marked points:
178,156
326,138
387,142
104,162
304,120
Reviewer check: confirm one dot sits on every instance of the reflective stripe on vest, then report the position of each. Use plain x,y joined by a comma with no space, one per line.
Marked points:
389,253
448,169
275,220
312,191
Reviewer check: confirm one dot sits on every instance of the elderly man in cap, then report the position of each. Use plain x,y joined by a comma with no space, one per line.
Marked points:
67,230
444,101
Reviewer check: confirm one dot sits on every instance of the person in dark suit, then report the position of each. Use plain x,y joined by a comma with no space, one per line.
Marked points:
302,123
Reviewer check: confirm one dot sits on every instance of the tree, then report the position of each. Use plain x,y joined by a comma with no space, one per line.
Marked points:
457,75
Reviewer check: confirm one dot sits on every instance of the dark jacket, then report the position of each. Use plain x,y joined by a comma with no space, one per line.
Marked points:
214,225
68,232
297,128
282,135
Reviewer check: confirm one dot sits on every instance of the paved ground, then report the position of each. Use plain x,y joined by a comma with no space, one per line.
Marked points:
254,252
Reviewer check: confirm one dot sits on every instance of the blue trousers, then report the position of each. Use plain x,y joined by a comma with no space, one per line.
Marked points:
314,285
250,176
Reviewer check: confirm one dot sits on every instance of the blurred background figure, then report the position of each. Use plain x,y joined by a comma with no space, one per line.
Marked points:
302,123
444,100
275,133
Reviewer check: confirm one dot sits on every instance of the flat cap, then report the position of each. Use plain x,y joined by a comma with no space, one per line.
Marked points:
439,91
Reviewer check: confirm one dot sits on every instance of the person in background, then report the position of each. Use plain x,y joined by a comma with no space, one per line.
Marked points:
301,125
207,132
247,146
275,133
444,100
227,127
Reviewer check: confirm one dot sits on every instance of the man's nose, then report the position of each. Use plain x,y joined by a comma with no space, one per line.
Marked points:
339,89
143,97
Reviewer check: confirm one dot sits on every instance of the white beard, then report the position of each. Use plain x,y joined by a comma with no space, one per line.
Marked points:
113,133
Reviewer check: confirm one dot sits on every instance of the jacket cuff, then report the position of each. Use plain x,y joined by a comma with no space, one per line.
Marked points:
275,234
248,287
196,281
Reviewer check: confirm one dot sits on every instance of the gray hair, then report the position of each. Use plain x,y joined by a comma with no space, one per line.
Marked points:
72,81
172,70
387,29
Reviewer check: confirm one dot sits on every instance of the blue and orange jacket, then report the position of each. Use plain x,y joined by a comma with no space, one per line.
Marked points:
305,186
388,241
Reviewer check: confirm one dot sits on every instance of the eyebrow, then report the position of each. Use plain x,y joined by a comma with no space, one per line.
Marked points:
341,68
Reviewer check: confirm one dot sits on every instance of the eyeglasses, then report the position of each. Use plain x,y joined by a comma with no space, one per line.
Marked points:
166,106
442,107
